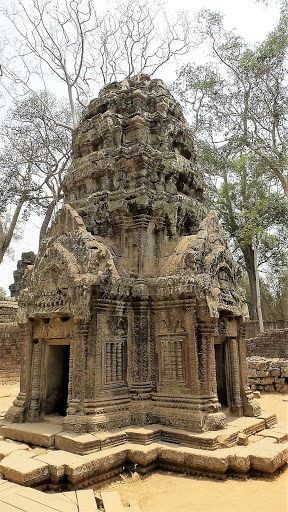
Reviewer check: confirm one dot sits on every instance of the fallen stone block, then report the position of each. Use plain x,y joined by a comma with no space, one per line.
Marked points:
7,448
24,470
86,501
242,439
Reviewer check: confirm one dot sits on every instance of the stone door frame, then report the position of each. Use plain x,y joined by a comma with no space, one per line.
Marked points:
46,343
232,371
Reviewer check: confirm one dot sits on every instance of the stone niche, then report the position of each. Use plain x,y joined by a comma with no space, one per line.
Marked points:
132,313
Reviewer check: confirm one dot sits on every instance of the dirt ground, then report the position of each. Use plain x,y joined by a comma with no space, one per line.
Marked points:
167,492
7,394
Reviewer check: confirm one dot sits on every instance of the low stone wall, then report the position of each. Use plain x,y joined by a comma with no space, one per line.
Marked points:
268,375
268,361
252,327
10,349
269,344
8,310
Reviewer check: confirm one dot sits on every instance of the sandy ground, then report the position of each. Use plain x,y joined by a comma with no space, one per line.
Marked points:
164,492
167,492
7,394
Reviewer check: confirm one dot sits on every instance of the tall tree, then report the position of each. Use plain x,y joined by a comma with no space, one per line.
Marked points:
255,90
254,215
33,161
76,46
239,119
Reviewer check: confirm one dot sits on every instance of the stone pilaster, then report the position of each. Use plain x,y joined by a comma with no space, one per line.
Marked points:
192,366
139,359
78,367
206,359
34,411
71,375
234,384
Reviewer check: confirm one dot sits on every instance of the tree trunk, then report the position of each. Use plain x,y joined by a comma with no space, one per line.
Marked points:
7,237
72,106
258,294
46,220
249,264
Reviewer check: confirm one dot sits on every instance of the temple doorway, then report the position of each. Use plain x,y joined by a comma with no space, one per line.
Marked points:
57,377
221,371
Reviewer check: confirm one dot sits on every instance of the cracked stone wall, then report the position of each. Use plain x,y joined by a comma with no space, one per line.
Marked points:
269,344
268,361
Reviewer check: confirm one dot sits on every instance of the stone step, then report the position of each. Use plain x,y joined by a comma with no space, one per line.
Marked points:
40,434
50,435
24,471
264,455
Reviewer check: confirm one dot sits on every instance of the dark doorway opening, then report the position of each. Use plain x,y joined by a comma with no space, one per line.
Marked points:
57,379
221,373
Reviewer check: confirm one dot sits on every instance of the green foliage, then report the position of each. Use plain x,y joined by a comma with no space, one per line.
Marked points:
275,295
34,157
3,294
239,116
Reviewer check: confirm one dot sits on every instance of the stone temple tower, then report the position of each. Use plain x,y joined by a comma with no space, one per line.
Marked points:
132,313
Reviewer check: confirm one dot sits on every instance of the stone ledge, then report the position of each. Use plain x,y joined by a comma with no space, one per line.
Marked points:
50,435
24,470
41,434
73,471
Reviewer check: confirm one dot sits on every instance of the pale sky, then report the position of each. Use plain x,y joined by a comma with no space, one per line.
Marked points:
252,20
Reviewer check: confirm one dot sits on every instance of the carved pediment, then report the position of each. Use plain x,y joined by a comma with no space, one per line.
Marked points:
205,259
69,263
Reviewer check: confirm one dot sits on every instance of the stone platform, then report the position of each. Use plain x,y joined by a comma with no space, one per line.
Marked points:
247,446
50,434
